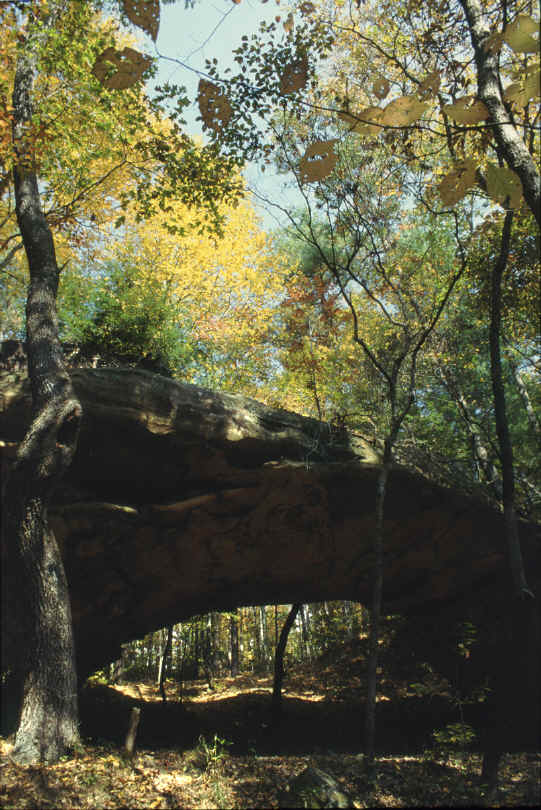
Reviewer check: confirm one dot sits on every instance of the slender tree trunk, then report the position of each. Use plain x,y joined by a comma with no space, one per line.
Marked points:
263,638
375,613
208,652
276,706
162,669
533,420
234,643
502,424
517,657
37,604
304,629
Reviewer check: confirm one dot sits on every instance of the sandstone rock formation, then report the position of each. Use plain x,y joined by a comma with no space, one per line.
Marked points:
182,500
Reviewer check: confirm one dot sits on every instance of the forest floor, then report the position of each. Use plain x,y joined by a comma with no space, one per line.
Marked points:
216,749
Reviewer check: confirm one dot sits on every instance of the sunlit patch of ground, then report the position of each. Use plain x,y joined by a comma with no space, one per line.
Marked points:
200,692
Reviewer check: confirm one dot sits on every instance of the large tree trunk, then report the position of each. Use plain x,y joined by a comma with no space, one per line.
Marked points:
41,653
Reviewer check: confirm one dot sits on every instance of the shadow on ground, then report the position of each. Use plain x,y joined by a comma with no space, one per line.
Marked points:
308,726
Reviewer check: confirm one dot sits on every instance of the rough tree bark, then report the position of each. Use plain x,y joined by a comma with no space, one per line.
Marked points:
35,590
510,143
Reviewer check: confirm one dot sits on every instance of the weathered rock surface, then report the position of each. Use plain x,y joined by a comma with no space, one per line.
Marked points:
315,788
182,500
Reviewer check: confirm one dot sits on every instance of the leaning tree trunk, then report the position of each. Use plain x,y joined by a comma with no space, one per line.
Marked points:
276,706
38,614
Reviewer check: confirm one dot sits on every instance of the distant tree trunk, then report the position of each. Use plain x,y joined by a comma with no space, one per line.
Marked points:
208,653
181,656
234,643
305,634
162,668
196,651
115,671
36,602
276,706
260,619
533,420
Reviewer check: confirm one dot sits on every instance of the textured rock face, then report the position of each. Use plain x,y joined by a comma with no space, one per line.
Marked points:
181,500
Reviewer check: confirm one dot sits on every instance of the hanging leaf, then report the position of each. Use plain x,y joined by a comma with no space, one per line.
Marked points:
381,87
318,161
522,92
456,184
430,85
214,106
145,14
404,111
503,185
467,110
294,77
518,34
365,121
118,70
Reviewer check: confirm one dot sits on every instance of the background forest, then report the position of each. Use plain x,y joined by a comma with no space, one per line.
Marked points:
397,300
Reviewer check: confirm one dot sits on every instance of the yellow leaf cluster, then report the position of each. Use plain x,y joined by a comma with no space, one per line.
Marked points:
226,288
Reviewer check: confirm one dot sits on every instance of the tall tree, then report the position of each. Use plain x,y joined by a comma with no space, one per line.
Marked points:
36,585
39,644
